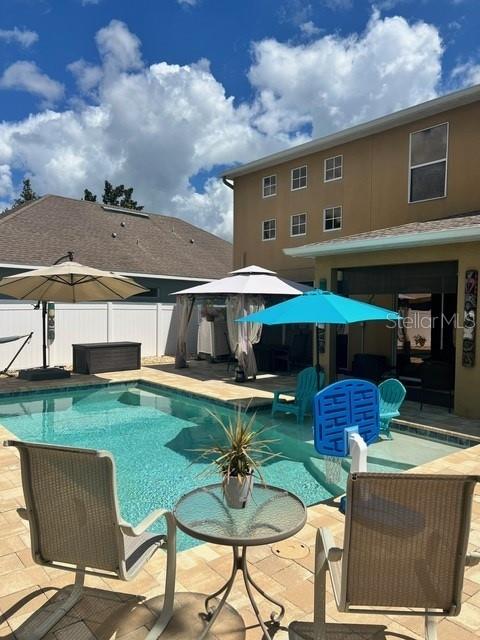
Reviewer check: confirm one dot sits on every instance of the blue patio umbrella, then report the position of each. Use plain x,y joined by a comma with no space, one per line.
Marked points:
321,307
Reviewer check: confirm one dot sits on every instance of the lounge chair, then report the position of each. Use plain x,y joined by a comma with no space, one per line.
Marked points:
392,394
308,383
75,524
405,545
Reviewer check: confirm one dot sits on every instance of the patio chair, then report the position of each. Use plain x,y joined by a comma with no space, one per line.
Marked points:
392,394
404,552
75,524
308,383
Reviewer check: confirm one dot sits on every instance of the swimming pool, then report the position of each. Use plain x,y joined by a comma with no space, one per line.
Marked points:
151,433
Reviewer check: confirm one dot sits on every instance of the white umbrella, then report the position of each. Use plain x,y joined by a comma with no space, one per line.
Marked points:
67,282
251,280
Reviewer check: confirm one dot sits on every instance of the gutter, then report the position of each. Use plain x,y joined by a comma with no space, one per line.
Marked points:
30,267
378,125
404,241
227,183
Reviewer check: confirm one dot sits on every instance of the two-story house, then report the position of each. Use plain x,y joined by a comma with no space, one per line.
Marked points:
387,211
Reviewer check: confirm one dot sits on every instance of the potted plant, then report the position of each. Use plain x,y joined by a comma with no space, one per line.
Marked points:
239,456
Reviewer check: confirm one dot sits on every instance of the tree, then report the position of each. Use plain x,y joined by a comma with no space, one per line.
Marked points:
111,194
127,203
26,194
118,196
89,196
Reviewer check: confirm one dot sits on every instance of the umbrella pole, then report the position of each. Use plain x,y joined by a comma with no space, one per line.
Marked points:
317,357
44,327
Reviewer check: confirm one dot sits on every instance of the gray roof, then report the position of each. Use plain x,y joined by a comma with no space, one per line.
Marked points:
40,232
458,228
404,116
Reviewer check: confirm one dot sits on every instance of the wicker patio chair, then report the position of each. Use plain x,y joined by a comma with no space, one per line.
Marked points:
75,524
404,552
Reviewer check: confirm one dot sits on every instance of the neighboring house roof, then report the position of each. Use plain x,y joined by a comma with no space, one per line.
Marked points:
462,228
396,119
40,232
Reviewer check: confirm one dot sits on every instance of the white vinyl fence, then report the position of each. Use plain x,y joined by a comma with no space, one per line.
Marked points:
152,324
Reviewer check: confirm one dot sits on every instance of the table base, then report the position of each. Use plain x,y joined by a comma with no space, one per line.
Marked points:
240,564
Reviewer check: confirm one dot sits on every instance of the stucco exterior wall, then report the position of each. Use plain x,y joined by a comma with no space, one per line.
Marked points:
373,192
467,380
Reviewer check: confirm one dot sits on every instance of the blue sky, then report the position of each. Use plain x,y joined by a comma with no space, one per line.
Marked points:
162,94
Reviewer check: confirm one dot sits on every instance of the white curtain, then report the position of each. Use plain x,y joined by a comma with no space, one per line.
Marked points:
243,335
185,307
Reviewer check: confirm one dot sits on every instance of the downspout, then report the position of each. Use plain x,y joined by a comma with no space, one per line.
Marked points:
227,183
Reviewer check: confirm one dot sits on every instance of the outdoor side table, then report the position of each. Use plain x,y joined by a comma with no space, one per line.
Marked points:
272,514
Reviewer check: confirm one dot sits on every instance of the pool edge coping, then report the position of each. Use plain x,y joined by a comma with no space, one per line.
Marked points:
461,440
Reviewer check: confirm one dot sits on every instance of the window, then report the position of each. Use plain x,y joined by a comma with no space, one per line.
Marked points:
269,186
333,168
299,178
332,218
269,229
428,163
298,224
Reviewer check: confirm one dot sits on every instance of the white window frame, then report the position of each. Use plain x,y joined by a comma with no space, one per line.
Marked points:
271,195
325,179
335,206
425,164
303,166
298,235
263,229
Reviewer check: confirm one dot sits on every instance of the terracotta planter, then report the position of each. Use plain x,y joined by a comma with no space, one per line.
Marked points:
238,490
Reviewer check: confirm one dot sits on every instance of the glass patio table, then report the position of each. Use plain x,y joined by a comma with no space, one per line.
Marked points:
272,514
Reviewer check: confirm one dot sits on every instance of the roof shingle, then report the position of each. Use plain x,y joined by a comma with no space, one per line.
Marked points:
442,224
44,230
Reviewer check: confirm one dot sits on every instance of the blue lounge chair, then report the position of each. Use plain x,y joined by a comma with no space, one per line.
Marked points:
308,383
392,394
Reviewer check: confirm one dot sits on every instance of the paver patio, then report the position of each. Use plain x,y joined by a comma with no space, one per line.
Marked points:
115,609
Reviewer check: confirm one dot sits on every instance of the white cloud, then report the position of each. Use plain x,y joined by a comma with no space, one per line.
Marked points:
153,128
467,74
215,203
6,187
87,2
119,47
297,12
335,82
388,5
187,3
26,76
25,37
338,4
309,29
87,75
156,127
6,184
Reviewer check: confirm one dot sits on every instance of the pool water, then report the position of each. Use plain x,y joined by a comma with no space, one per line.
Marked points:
151,433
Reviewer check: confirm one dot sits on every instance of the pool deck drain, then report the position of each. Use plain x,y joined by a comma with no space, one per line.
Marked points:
111,609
